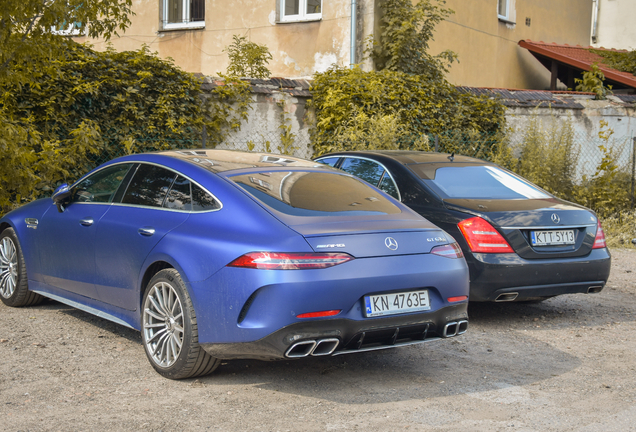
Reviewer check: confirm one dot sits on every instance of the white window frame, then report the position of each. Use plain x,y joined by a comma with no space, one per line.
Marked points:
182,25
510,14
72,30
302,15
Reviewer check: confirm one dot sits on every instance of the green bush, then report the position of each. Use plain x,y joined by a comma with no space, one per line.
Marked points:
345,98
549,157
620,229
102,104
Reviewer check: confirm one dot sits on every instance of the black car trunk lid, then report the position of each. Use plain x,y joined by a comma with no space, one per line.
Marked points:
536,228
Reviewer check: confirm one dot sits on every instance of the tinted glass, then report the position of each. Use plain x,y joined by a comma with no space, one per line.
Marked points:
149,186
367,170
314,194
101,186
201,200
332,161
478,182
388,186
179,197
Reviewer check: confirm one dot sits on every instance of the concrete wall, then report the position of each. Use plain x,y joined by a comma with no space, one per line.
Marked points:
489,54
298,49
615,24
586,122
262,130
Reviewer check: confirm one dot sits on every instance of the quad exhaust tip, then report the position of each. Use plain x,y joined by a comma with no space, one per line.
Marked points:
455,328
316,348
506,297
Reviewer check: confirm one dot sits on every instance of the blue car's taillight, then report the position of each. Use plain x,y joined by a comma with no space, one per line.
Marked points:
289,261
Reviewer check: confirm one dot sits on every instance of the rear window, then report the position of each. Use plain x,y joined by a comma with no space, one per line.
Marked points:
476,182
299,193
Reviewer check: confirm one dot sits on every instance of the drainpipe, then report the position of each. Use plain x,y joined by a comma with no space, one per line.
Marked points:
352,48
595,9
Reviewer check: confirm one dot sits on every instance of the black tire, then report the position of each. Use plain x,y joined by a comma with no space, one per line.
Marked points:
164,328
14,286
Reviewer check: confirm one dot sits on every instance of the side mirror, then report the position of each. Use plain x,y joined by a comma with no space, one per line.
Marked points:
61,194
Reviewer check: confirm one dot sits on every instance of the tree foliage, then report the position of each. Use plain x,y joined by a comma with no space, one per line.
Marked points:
248,59
404,39
593,82
96,105
624,61
28,28
409,94
416,105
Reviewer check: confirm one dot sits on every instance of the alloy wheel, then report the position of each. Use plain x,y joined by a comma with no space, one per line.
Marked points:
8,267
163,325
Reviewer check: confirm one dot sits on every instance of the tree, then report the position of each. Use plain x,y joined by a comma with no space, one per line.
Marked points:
29,29
406,30
407,97
29,36
248,59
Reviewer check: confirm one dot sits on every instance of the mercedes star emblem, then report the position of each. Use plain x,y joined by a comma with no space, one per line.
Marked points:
555,218
391,243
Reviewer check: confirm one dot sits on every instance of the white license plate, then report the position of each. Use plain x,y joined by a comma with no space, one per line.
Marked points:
396,303
552,237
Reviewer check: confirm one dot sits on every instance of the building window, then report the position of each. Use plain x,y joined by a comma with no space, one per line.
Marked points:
300,10
183,14
506,10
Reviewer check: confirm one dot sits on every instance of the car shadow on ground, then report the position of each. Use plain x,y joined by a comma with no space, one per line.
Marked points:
492,356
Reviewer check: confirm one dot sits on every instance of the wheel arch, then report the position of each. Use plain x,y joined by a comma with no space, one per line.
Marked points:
151,270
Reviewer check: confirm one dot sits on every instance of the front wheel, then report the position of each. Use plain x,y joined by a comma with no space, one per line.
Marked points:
169,332
14,288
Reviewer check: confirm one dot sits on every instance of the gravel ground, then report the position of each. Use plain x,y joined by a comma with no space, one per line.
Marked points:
567,364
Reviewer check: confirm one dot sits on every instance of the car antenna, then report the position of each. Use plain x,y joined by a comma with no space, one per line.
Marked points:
451,157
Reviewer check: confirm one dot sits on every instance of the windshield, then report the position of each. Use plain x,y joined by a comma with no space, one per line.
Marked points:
477,182
301,193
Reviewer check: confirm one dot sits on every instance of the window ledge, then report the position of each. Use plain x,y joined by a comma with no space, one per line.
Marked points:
177,27
298,20
506,20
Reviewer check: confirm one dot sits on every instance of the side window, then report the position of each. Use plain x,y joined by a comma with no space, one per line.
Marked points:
202,201
331,161
101,186
388,186
367,170
149,186
179,197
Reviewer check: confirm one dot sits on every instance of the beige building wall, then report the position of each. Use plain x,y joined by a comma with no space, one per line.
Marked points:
489,54
615,26
298,48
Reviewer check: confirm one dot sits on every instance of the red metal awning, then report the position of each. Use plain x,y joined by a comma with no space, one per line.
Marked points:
568,62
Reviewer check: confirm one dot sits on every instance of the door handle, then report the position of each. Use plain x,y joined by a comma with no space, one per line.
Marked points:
86,222
146,231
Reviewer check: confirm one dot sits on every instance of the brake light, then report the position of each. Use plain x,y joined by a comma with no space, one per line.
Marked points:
451,250
319,314
289,261
599,240
481,236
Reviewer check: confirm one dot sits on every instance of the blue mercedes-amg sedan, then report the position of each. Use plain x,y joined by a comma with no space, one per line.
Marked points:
217,254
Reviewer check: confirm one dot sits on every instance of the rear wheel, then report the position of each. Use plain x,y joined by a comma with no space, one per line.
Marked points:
14,288
169,333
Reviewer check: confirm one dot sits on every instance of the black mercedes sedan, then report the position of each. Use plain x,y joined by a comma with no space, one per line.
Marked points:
520,242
